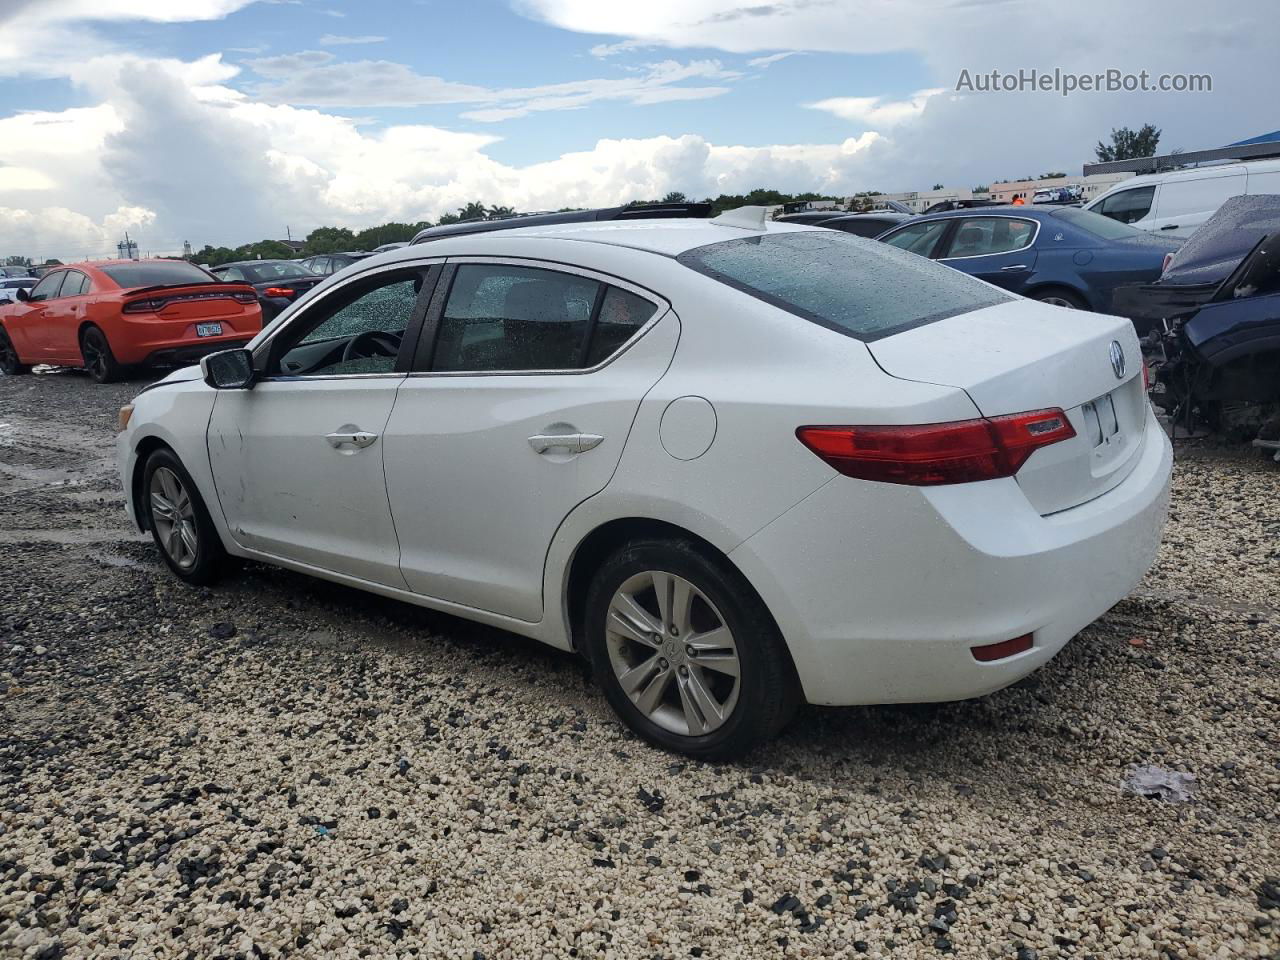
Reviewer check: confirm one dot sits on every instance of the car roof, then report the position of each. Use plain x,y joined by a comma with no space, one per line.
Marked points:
1006,210
669,237
251,263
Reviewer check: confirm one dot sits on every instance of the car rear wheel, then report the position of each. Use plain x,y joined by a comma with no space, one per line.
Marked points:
10,364
1059,297
180,522
99,361
687,654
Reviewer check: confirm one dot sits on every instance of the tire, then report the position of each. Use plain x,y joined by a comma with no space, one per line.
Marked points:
670,679
99,361
10,364
192,548
1060,297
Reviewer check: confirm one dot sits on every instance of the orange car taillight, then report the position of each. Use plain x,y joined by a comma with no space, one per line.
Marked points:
938,453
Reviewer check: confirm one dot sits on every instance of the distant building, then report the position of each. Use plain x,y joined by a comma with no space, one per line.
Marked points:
918,201
1090,187
295,245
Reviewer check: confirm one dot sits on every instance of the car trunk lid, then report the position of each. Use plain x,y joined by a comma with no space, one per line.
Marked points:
1021,356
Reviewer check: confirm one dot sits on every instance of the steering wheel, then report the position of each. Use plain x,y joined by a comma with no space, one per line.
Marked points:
371,343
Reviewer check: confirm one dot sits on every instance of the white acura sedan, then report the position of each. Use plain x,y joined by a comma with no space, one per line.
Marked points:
738,465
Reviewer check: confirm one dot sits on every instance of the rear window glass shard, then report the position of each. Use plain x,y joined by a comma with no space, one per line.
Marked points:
861,288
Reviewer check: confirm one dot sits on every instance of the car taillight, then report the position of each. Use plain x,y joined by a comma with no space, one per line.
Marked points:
932,454
146,305
244,296
278,292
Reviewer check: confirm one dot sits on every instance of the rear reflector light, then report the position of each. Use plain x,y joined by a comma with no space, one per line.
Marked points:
1168,258
998,651
932,454
278,292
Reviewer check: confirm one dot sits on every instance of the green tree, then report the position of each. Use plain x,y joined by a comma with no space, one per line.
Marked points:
938,186
494,213
17,261
391,232
446,218
675,196
982,188
473,211
328,240
1051,175
1127,145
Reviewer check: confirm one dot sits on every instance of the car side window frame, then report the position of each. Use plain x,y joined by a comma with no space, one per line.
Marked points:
424,356
60,276
955,231
942,243
281,339
86,285
1153,187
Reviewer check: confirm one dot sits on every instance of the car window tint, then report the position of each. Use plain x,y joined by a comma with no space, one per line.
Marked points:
75,284
982,236
153,274
47,288
1127,206
842,282
621,315
501,317
918,238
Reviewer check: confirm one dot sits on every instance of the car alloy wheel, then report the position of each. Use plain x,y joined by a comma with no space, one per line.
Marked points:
10,364
174,518
672,653
95,357
1058,302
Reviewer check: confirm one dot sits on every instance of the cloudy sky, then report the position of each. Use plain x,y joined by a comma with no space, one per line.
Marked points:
226,121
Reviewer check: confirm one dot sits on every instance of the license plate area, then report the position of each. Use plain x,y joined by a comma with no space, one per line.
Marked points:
1102,421
208,329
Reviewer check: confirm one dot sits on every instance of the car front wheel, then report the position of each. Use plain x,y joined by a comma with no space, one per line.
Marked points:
180,522
687,653
10,364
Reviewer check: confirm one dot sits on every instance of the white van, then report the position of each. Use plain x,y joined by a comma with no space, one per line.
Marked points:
1174,204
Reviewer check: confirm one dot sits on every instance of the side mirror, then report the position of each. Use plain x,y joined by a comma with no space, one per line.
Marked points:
228,369
23,294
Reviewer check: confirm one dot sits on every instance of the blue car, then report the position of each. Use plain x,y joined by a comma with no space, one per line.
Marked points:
1061,255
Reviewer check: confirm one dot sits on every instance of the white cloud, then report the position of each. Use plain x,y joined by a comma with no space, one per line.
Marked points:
877,111
335,40
318,78
771,59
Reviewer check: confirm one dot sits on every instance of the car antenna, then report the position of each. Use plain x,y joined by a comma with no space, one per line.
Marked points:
744,218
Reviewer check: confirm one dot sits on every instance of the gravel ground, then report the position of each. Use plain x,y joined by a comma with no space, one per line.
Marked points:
283,767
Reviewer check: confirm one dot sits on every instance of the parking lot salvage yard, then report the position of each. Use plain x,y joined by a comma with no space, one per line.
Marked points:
282,766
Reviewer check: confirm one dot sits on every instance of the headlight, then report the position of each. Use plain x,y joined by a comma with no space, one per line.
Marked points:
123,418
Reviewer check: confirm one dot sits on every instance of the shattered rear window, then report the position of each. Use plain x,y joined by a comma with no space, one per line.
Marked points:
861,288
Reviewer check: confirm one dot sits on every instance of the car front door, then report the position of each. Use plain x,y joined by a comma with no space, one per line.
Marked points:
522,394
27,325
298,459
998,249
1131,206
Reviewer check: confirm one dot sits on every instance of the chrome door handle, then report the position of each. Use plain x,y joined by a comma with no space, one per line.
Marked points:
569,442
1015,266
359,438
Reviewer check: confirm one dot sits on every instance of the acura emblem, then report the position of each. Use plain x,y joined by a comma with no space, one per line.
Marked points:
1117,359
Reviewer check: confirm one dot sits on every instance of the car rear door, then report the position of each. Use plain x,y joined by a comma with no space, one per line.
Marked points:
62,317
298,459
999,249
519,404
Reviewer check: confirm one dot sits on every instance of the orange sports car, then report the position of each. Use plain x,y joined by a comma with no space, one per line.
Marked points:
110,315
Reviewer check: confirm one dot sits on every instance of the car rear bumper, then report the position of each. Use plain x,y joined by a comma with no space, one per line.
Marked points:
188,353
172,342
882,590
